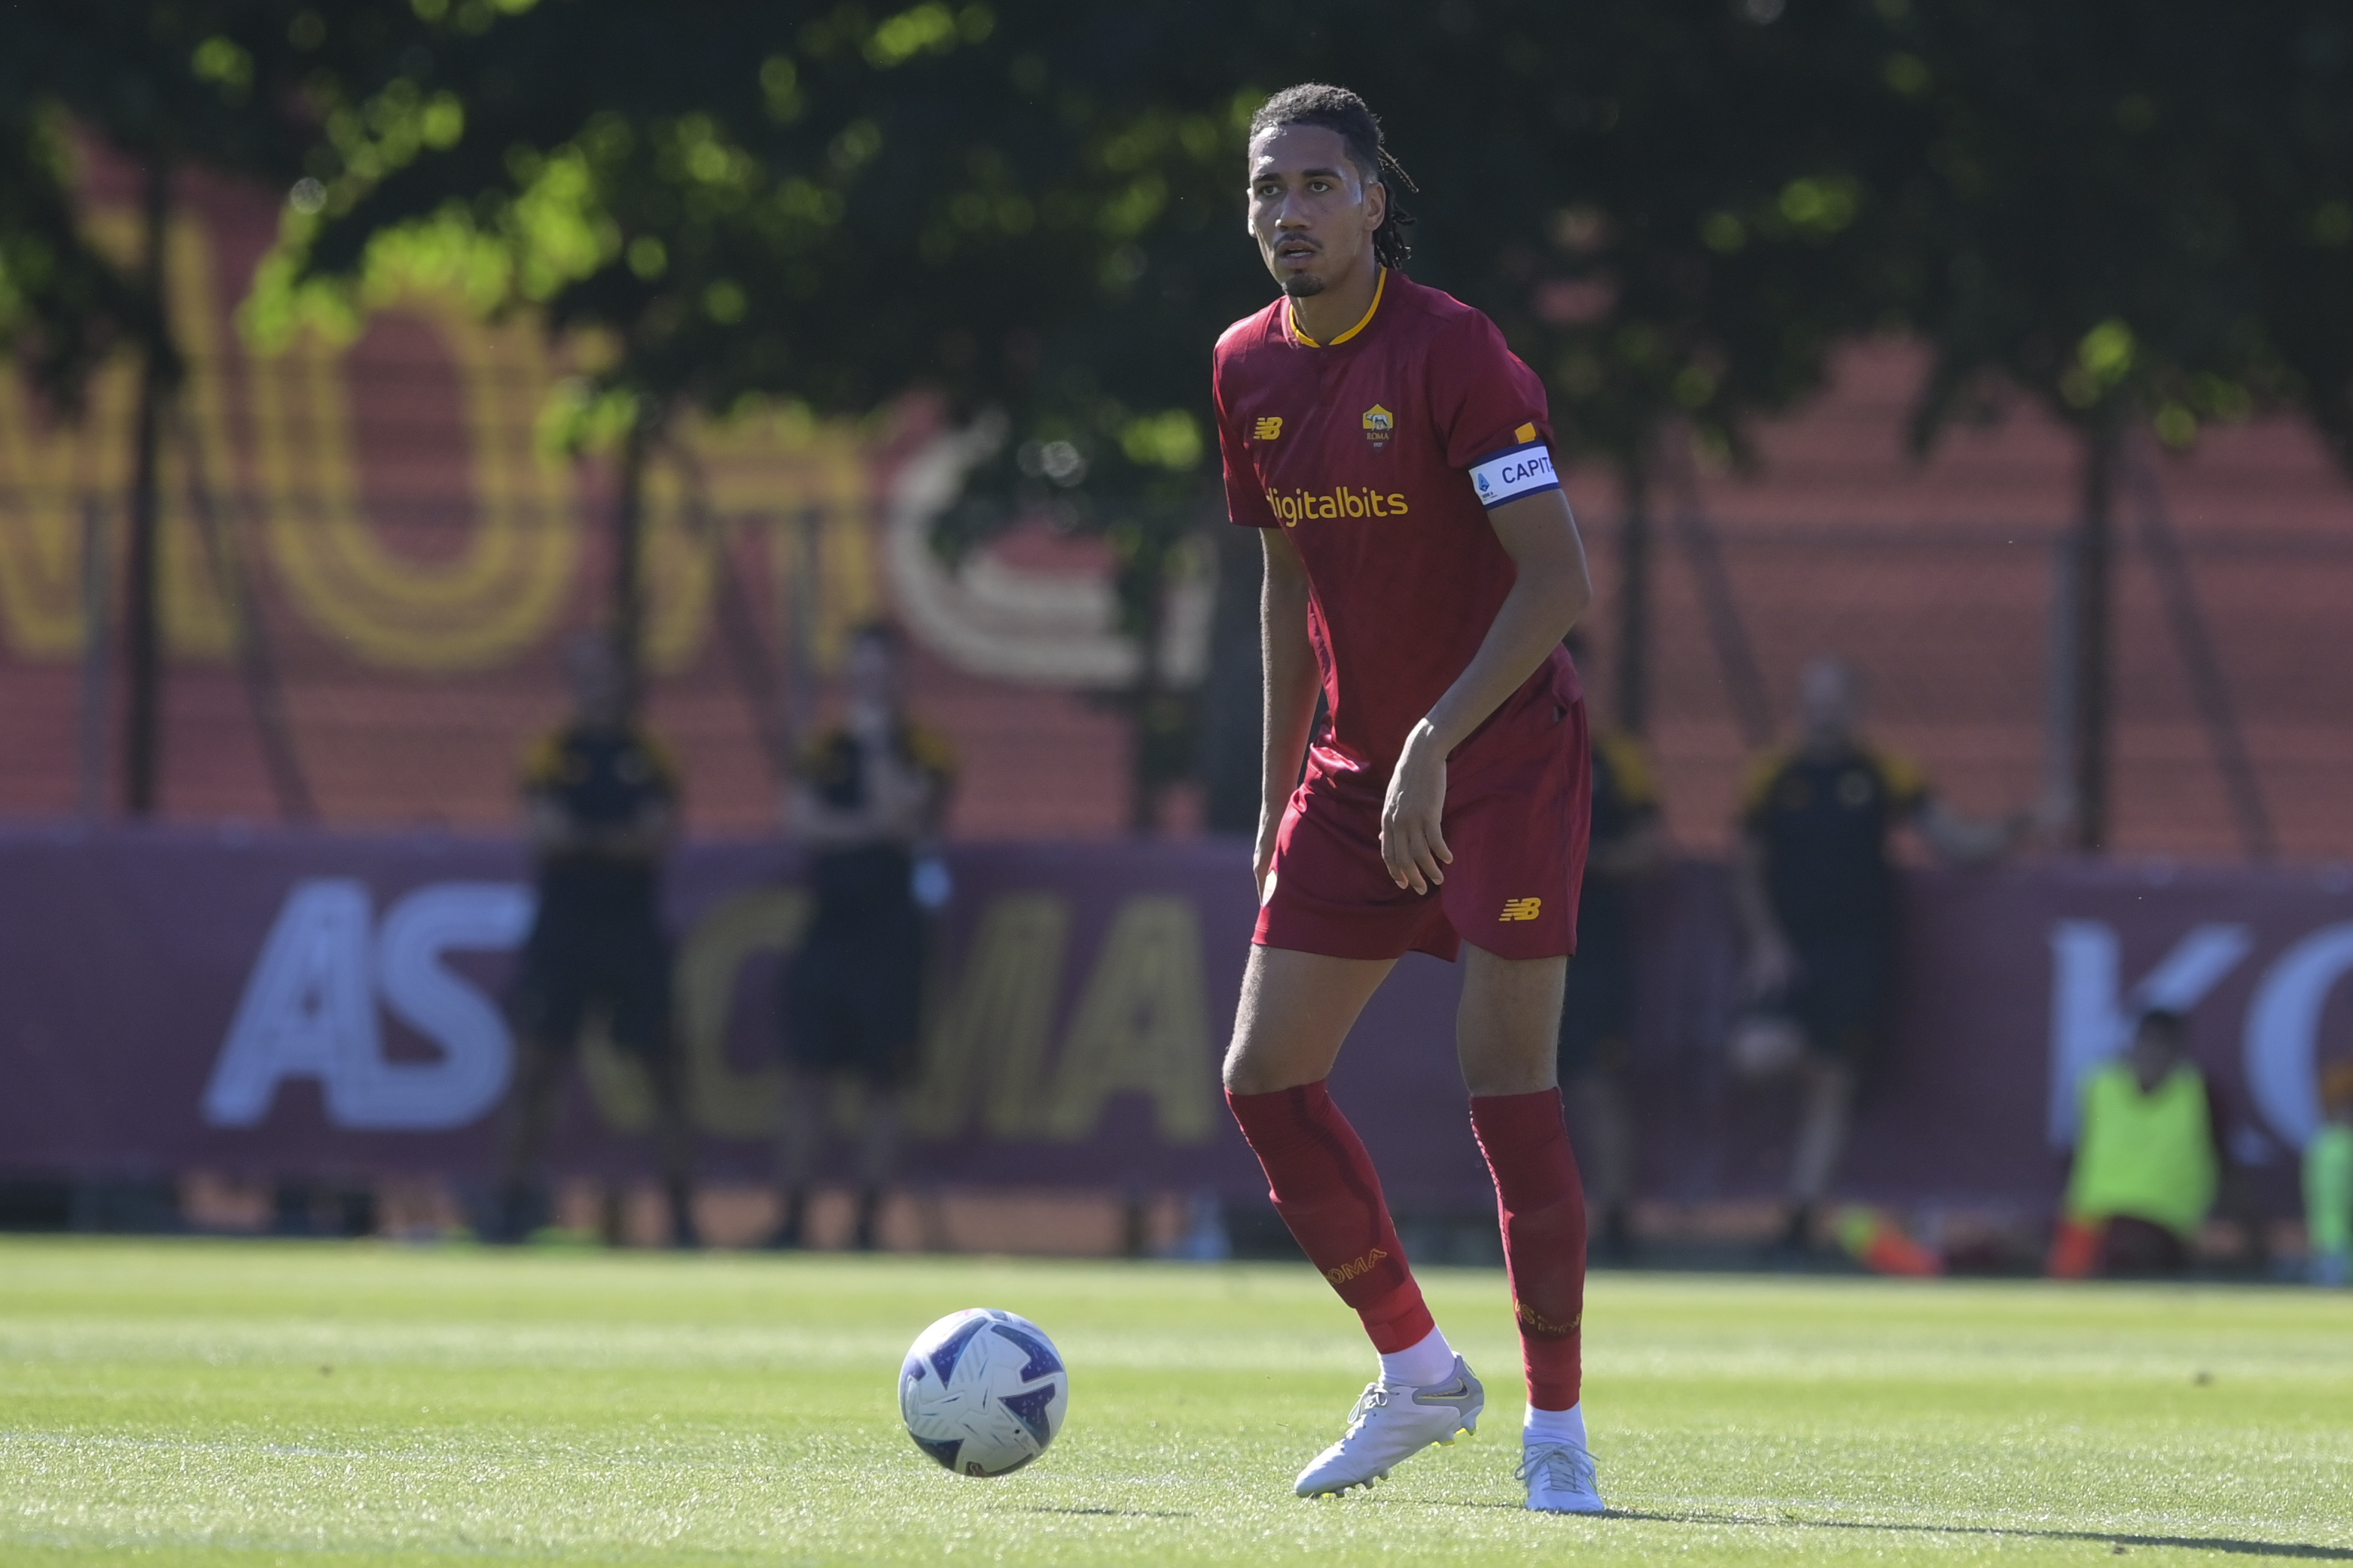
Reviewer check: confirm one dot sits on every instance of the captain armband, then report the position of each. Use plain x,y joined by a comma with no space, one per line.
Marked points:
1522,470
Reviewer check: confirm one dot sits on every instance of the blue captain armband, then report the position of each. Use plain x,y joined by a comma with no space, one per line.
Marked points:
1517,471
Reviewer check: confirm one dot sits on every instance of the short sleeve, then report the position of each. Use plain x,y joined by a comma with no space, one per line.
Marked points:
1756,793
542,763
829,759
930,751
1484,400
1637,787
1906,786
1246,504
660,763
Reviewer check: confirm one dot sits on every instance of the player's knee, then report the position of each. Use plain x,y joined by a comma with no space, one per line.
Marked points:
1239,1073
1252,1069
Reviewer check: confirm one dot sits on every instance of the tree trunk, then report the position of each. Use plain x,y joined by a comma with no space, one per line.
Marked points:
2095,588
629,552
142,661
1633,672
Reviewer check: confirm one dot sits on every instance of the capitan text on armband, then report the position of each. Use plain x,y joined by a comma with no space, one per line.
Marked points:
1518,472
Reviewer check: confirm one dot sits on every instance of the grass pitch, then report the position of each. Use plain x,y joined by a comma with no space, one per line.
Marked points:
238,1403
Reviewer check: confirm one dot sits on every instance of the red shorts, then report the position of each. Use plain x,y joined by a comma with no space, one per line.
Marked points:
1518,810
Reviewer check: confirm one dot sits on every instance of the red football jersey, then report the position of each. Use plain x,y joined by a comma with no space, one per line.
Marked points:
1373,452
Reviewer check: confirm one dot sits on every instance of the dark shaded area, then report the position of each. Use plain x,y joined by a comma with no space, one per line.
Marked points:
2227,1545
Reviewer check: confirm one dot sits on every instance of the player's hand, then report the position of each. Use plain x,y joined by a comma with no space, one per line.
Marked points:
1413,845
1772,965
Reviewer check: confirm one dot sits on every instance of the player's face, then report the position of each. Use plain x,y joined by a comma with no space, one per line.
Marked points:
1830,699
600,690
1310,212
871,673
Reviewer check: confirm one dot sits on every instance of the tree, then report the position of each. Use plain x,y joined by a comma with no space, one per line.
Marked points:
746,202
1672,211
2082,238
2285,129
63,305
233,84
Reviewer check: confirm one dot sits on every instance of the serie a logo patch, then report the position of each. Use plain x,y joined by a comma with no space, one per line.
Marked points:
1519,471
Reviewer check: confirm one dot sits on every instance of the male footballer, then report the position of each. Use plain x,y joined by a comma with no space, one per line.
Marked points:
1421,567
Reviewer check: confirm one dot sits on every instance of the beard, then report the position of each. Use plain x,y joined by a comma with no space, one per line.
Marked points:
1303,286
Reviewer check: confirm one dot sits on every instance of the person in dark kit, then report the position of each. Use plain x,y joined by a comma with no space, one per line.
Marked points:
873,791
1814,894
2150,1160
1628,842
601,798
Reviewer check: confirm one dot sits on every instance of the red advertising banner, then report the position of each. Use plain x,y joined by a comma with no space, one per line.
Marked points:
286,1003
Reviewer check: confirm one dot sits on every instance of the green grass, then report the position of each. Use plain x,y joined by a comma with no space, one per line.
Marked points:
219,1403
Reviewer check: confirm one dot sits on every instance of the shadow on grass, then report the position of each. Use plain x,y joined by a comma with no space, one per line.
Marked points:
2221,1543
1116,1512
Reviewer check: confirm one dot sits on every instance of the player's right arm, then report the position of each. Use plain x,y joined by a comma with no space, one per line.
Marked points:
1772,963
1288,658
549,827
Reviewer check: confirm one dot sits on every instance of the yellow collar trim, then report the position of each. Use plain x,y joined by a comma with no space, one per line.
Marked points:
1379,284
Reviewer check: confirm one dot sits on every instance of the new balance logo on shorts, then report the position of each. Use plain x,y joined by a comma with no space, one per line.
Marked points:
1521,908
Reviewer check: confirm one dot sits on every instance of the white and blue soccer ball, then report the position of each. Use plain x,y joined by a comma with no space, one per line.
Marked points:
983,1391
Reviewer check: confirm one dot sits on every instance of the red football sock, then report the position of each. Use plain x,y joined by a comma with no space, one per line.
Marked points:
1323,1185
1542,1204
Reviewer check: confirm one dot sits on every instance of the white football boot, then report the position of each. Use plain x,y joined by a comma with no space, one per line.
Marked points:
1560,1478
1390,1425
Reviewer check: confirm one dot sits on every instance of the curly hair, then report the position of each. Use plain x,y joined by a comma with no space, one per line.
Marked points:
1338,110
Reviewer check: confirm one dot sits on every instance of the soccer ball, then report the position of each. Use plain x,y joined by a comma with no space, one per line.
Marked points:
983,1391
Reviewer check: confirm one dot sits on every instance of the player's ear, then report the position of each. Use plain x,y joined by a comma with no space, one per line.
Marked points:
1377,205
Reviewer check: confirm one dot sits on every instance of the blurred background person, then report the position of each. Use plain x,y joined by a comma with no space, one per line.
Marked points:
1814,894
873,791
2150,1160
601,808
1629,842
2328,1182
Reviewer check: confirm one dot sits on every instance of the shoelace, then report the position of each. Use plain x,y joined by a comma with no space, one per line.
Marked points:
1561,1465
1374,1397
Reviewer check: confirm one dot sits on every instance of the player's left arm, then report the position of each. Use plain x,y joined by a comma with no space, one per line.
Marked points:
1552,590
1969,840
1958,838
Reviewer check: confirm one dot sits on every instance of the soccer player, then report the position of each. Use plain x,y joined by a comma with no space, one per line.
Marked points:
1814,891
1627,842
871,788
601,800
1422,564
2328,1182
2150,1160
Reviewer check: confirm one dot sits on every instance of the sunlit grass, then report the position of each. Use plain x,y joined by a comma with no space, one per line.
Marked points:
204,1401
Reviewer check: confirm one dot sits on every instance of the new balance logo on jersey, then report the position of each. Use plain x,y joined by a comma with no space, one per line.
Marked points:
1267,429
1522,908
